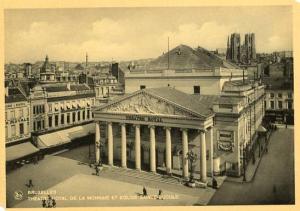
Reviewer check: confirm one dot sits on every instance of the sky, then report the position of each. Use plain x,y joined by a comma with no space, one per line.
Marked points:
134,33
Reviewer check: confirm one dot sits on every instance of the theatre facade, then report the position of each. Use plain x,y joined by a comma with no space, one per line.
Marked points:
155,128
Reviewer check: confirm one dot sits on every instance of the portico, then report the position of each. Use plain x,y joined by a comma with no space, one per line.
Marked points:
151,110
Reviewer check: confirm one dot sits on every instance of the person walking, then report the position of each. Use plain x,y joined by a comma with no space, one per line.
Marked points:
44,203
53,203
159,194
144,191
97,170
30,184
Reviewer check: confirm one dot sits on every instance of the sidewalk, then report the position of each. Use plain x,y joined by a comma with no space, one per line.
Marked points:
251,167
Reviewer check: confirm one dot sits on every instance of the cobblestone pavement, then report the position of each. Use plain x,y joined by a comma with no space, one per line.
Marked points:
274,180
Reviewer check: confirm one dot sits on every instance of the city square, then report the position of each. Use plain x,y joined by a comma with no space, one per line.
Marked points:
129,113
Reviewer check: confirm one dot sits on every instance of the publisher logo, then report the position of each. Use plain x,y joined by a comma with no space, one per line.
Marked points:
18,195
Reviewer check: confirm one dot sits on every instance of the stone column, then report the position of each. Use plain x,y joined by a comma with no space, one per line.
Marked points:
53,121
168,150
137,147
203,176
97,142
211,133
152,149
123,146
185,148
110,145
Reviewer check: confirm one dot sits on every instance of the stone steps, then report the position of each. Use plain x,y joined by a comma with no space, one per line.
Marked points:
144,175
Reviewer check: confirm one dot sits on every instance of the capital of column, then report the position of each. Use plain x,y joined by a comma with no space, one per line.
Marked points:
151,126
122,124
184,129
109,123
137,125
201,130
167,128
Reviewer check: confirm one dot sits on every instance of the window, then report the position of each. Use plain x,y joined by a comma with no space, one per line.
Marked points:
50,107
21,128
290,95
271,95
142,87
39,125
74,116
280,104
34,110
50,121
62,119
279,95
272,104
88,114
290,105
265,104
12,114
5,115
196,89
34,126
6,134
78,116
68,118
56,120
13,130
83,115
21,112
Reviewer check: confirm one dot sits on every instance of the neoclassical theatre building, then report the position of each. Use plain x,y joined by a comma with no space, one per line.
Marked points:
187,100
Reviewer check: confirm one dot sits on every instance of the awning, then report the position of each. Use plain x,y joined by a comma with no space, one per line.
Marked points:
65,136
19,151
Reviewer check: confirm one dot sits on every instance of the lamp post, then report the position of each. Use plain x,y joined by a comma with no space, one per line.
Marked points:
192,157
244,164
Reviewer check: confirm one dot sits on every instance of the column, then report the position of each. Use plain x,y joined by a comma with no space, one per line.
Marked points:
97,142
185,148
211,133
202,157
168,150
137,147
152,149
110,145
123,146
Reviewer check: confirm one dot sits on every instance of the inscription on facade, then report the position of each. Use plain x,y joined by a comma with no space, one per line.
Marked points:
144,118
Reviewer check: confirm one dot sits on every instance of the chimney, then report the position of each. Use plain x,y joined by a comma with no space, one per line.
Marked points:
69,86
6,91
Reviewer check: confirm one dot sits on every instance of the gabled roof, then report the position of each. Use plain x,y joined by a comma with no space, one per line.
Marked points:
175,97
184,57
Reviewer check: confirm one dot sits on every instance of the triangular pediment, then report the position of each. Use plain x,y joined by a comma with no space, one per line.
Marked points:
147,104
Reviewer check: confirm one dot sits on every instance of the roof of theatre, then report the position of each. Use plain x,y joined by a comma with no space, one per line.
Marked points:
184,57
201,105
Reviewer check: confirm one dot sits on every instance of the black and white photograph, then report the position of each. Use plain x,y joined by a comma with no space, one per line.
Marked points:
148,106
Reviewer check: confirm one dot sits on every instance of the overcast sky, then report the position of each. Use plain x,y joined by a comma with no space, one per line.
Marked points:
133,33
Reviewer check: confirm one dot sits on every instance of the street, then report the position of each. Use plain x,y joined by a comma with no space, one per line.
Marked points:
274,179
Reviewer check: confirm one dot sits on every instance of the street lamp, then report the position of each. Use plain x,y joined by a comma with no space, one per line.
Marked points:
192,157
244,164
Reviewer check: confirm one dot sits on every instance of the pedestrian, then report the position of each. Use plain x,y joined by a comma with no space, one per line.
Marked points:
53,203
49,201
97,170
30,184
144,191
214,183
159,194
44,203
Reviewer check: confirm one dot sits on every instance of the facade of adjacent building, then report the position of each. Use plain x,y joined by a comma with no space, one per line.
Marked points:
17,116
